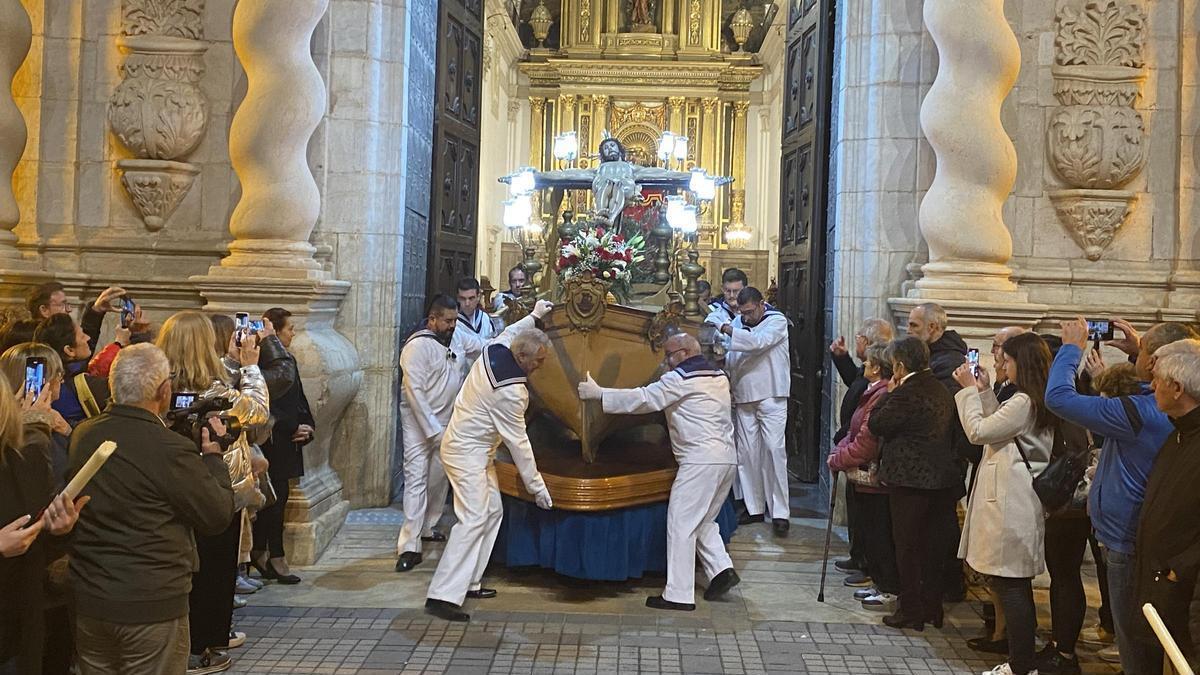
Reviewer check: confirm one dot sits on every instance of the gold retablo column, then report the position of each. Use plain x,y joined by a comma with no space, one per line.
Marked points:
537,131
675,122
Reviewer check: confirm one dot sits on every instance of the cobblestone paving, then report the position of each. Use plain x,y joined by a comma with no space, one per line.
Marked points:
353,614
378,641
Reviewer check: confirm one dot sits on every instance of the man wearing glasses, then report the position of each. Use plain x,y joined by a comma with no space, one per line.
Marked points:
431,375
51,298
695,397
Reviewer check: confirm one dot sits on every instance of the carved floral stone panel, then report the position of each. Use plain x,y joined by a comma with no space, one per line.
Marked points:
1095,138
158,111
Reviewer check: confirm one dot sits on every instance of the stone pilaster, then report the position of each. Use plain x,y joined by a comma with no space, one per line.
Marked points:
960,216
271,260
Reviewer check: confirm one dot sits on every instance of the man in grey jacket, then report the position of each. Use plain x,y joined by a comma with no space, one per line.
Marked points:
133,554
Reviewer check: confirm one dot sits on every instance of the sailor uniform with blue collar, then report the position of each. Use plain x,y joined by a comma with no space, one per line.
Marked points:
720,314
471,335
695,397
489,410
759,368
431,376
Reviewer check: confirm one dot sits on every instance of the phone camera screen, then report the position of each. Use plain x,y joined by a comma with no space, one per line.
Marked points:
183,401
35,378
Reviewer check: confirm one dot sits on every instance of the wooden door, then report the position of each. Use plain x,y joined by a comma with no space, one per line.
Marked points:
804,226
455,183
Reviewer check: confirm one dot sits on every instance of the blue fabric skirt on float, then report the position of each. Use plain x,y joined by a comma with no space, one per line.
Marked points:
605,546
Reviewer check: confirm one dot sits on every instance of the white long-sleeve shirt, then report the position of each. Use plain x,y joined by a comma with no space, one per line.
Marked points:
758,361
471,335
695,398
490,409
720,314
432,375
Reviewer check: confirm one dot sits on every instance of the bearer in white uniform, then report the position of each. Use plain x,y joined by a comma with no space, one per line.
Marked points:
695,397
723,310
431,375
489,410
474,328
759,368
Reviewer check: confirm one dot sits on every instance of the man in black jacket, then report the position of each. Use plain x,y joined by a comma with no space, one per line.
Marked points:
1168,537
947,351
133,551
872,331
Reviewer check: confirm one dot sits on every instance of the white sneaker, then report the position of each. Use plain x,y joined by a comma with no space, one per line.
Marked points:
1005,669
236,639
1110,654
880,602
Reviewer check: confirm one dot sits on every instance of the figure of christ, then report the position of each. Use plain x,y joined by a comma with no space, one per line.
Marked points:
615,183
641,13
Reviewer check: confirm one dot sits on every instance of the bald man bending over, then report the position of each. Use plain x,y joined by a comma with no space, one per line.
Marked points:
694,394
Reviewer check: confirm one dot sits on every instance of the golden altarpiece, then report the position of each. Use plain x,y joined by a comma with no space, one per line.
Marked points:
638,68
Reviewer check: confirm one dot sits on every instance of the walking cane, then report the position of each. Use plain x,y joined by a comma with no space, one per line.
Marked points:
828,536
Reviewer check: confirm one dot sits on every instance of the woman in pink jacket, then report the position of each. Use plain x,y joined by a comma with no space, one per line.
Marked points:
858,456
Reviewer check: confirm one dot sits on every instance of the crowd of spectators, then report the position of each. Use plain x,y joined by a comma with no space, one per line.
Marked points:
1060,454
143,573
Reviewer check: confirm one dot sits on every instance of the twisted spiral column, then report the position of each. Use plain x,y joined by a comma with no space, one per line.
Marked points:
16,34
960,217
268,139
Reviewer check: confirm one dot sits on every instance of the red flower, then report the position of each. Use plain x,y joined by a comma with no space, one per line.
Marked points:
599,232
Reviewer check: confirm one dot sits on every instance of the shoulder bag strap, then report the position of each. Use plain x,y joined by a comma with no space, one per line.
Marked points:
1131,411
86,399
1017,442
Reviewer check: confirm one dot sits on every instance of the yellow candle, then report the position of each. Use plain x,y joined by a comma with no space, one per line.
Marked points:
89,469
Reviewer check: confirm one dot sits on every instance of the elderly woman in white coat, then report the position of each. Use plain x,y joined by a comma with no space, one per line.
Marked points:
1005,524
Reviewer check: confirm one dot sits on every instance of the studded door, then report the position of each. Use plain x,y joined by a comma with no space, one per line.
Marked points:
455,184
803,223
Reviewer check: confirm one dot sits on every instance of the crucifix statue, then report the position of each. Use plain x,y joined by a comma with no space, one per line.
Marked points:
615,183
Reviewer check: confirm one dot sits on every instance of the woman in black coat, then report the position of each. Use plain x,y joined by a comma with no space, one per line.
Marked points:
919,465
293,429
26,487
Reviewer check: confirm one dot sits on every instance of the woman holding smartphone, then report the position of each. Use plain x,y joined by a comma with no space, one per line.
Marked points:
26,487
1005,525
190,343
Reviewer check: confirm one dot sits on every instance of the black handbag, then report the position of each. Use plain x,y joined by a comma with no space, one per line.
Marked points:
1056,486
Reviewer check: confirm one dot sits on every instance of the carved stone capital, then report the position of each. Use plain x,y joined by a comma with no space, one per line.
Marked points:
1093,216
537,104
740,108
567,101
710,104
676,102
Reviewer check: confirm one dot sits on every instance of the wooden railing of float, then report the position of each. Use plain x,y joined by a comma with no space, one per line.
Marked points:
1174,662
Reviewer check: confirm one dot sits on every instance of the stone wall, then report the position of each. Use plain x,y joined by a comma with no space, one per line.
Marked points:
354,282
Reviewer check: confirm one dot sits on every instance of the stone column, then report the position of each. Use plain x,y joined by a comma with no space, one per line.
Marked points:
960,217
268,139
16,34
271,260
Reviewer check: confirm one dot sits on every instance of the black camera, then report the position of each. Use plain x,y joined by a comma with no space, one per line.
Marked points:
189,416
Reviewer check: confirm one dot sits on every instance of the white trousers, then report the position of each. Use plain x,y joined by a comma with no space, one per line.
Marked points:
425,489
759,429
697,494
479,511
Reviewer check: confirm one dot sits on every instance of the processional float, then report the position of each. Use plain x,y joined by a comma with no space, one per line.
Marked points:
621,286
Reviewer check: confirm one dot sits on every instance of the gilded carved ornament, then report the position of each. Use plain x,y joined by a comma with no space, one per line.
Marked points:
1096,135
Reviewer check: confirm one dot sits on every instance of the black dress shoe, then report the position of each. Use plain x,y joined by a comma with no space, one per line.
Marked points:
1050,661
744,518
988,645
847,565
781,526
721,584
937,621
435,538
407,561
445,610
657,602
267,571
482,593
898,621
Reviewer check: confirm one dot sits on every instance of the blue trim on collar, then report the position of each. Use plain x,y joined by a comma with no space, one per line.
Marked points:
423,333
698,366
501,366
477,326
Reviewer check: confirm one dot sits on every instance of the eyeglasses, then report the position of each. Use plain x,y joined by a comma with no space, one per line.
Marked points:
673,351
